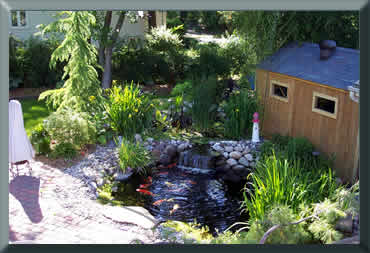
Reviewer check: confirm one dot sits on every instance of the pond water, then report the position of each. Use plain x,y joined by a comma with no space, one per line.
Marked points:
188,192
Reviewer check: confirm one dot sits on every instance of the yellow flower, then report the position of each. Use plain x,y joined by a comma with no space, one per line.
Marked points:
129,116
136,110
237,110
91,98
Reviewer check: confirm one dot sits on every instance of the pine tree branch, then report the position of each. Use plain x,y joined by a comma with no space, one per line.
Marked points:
273,228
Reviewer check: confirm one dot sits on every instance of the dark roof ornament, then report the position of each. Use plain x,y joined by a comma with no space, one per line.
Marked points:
327,49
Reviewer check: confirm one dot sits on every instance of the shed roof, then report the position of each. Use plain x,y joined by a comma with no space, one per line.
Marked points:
302,60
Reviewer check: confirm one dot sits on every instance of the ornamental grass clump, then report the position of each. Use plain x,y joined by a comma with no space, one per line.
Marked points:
276,181
239,111
128,111
133,155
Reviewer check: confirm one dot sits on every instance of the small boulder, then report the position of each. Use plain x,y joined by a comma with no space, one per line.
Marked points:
229,149
165,159
232,162
236,155
182,147
138,138
218,147
238,148
244,161
171,151
249,157
225,154
238,168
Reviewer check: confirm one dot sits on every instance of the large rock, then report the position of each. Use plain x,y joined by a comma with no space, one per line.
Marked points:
345,224
182,147
130,214
238,168
232,162
236,155
165,159
218,147
171,151
244,161
238,148
249,157
229,149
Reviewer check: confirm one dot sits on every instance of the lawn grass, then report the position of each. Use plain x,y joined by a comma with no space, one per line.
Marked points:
34,112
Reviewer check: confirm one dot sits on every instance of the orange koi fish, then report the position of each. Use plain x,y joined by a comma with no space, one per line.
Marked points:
144,186
158,202
175,207
191,182
145,192
148,180
163,173
171,165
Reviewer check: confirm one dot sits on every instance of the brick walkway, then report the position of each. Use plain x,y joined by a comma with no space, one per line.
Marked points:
38,214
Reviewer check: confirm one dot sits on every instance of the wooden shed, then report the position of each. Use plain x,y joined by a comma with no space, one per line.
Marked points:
306,96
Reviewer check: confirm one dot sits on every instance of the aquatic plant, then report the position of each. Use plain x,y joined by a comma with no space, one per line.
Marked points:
133,155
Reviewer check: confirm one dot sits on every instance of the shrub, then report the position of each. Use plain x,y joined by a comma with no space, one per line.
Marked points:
232,48
129,112
278,214
204,108
40,140
299,148
167,46
239,114
184,88
67,126
64,149
210,62
134,156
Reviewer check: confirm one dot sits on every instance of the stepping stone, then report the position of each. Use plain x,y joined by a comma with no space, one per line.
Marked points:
130,214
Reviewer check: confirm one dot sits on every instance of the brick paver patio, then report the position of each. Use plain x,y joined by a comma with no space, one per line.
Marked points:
36,215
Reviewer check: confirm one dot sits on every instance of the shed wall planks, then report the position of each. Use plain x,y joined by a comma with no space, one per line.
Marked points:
296,118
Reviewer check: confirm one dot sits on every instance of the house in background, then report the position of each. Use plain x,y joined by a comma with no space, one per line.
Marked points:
306,96
23,24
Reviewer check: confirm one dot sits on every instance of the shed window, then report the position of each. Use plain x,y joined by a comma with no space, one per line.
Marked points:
18,18
324,104
279,90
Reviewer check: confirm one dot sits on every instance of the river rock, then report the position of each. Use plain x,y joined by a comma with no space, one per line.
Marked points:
226,155
182,147
244,161
220,162
232,162
165,159
237,168
229,149
138,138
249,157
236,155
171,151
218,147
246,151
238,148
150,140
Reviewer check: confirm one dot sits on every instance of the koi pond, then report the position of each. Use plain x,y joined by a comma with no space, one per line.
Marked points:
188,194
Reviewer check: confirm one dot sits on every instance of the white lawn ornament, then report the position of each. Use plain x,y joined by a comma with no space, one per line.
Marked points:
20,148
255,133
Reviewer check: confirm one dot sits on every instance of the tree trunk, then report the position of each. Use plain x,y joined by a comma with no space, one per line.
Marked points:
104,38
107,74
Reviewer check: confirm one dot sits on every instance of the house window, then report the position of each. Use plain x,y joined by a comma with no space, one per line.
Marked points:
325,105
279,90
18,18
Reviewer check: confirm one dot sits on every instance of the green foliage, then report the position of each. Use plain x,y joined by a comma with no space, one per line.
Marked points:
134,62
299,148
67,126
184,88
191,232
211,61
279,182
40,140
239,111
64,149
204,108
134,156
79,73
167,47
29,62
286,234
232,49
129,112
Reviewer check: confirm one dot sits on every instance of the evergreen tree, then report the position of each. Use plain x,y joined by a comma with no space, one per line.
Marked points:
81,78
